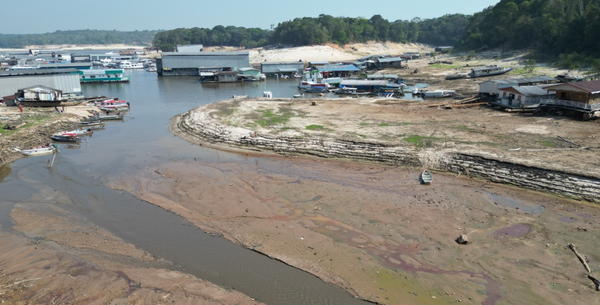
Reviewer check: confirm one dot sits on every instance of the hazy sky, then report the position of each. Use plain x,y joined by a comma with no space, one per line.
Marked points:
44,16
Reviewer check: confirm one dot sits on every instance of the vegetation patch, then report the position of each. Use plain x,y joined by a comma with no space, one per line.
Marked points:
421,141
315,127
547,143
267,117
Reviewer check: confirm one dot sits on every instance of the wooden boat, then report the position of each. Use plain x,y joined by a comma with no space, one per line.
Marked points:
488,71
76,132
61,138
426,177
109,117
91,123
40,150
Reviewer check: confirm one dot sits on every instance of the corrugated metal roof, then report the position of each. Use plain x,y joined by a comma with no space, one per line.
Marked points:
318,63
382,76
587,86
247,69
390,59
38,72
289,70
205,54
339,68
282,63
522,80
528,90
357,82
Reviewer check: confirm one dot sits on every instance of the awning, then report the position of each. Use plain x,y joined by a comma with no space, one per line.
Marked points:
288,70
207,73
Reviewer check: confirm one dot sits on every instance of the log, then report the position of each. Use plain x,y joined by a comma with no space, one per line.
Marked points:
581,259
596,282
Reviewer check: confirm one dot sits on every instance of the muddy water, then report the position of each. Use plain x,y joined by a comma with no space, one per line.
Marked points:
76,183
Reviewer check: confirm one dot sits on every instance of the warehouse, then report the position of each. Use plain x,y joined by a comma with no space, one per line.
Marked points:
64,80
191,64
272,69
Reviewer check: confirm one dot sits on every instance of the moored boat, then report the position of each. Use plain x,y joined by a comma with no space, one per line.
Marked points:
91,123
109,117
426,177
39,150
439,93
62,138
76,132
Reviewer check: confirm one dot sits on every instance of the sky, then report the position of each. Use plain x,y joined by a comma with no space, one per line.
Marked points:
43,16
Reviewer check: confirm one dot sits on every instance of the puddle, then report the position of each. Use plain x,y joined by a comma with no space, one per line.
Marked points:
518,230
567,219
509,202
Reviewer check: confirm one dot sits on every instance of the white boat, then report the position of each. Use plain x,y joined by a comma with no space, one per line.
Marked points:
76,132
439,93
426,177
111,104
129,65
40,150
488,71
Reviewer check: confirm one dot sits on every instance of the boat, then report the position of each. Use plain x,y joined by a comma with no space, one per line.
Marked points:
102,76
129,65
426,177
112,104
309,86
39,150
488,71
439,93
108,117
63,138
455,76
91,123
76,132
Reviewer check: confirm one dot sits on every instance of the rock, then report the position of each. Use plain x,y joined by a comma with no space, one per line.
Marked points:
462,239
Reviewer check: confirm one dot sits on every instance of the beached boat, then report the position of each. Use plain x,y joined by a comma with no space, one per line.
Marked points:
488,71
62,138
109,117
439,93
91,123
426,177
76,132
39,150
455,76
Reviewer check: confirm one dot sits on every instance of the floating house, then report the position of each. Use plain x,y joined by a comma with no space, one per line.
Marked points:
102,76
491,89
250,74
389,62
364,85
272,69
39,94
191,64
338,70
67,65
524,96
582,97
65,80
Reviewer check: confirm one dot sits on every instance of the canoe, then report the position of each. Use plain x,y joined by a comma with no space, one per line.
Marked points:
76,132
91,123
426,177
61,138
40,150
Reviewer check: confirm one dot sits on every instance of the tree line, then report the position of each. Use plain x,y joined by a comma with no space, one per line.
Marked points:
79,37
564,31
445,30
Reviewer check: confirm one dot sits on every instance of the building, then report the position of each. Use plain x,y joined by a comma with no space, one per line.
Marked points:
524,96
338,70
189,48
364,85
388,77
68,65
39,94
389,62
583,97
281,68
64,80
191,64
250,74
491,88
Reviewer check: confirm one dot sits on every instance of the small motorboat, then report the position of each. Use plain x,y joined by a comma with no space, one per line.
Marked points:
91,123
76,132
39,150
62,138
426,177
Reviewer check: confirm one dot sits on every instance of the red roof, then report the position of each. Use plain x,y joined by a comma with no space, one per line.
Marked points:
587,86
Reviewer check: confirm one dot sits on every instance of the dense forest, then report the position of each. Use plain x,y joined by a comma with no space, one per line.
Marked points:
567,31
77,37
446,30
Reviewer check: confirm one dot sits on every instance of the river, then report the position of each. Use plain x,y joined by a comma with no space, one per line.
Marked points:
79,173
